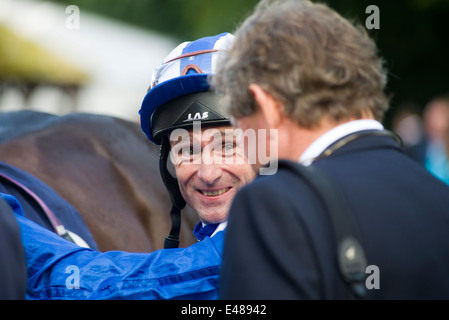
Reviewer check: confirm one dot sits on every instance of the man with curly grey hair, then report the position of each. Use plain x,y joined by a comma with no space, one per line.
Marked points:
301,69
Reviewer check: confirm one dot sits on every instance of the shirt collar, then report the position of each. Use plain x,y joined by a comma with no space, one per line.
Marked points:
202,230
329,137
220,227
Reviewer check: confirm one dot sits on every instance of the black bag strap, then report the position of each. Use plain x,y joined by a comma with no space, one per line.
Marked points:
351,257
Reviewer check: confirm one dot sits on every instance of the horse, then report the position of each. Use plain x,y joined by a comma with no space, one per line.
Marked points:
104,167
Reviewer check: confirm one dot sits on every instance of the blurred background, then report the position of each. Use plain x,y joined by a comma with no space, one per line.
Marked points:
104,63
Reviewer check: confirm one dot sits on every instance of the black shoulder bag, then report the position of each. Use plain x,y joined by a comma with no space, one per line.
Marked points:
350,254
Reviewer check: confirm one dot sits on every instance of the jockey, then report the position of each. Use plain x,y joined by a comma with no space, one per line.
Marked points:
179,99
177,113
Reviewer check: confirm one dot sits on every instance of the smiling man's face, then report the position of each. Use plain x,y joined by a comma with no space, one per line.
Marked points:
210,167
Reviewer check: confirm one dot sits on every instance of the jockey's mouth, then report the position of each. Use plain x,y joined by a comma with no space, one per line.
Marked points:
214,193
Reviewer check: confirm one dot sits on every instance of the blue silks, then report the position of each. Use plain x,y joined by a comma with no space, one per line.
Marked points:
59,269
200,231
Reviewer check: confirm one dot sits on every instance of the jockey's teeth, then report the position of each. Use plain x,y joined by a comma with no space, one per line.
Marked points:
215,192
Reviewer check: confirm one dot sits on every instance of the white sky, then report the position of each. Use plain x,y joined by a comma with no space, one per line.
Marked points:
119,57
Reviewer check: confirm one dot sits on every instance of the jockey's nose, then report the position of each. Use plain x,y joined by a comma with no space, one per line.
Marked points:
209,173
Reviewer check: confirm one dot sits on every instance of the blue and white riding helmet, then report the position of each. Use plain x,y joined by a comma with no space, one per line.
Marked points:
180,93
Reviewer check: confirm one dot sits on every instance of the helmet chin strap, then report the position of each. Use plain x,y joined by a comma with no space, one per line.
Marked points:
172,240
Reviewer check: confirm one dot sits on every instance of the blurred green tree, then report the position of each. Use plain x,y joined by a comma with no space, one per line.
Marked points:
180,19
412,37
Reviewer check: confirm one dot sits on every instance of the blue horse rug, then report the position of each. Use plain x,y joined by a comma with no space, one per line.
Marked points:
42,204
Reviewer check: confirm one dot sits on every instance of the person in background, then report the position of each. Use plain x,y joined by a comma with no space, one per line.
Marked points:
407,123
433,150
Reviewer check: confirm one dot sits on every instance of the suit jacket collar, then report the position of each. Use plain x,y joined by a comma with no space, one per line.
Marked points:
331,136
364,141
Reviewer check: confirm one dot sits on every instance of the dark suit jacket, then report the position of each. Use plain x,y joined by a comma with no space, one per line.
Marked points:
279,241
418,151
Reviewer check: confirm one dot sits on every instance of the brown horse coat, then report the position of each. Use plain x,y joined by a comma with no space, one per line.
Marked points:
103,166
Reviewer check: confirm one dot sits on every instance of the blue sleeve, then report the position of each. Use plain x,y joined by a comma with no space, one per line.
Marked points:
58,269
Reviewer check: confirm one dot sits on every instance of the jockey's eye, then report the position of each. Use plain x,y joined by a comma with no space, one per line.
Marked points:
187,152
228,148
184,152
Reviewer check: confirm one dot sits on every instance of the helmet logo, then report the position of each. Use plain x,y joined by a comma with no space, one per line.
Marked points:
197,111
197,116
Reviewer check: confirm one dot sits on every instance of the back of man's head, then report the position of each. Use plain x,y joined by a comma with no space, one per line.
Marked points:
309,58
